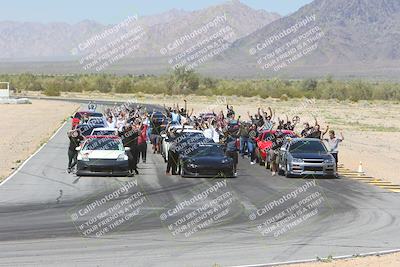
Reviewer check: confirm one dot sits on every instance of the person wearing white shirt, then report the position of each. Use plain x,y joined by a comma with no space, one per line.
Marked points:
333,143
111,122
211,133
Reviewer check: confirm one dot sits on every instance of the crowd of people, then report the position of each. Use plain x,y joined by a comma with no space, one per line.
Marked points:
138,127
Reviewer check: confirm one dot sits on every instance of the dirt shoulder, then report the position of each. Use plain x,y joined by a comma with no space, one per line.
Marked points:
33,124
389,260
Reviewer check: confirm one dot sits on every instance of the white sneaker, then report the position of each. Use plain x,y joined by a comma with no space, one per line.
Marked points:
235,174
252,162
273,173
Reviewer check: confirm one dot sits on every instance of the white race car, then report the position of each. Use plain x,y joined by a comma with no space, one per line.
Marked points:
102,155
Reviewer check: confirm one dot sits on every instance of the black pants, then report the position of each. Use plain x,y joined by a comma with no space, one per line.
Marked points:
173,161
142,152
133,158
233,155
72,158
335,155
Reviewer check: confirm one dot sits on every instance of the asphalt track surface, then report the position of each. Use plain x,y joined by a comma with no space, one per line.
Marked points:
38,225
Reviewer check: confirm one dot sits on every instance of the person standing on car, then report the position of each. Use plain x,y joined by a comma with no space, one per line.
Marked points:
75,139
333,143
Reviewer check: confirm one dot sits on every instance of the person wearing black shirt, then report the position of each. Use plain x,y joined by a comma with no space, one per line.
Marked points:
129,136
156,127
306,131
75,139
231,149
251,143
173,153
277,142
230,112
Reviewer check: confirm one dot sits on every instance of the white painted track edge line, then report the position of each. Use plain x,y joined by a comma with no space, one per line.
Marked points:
355,256
31,156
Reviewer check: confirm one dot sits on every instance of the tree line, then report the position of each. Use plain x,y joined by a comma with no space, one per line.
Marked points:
188,82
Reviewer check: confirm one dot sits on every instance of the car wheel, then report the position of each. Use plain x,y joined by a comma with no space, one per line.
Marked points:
280,171
287,174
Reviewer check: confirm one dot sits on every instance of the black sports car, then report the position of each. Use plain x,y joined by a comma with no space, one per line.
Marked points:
207,160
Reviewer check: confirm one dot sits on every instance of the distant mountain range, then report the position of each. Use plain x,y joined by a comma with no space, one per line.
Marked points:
54,41
358,35
360,39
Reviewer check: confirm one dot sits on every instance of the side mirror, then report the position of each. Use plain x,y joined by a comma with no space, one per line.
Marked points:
127,149
78,148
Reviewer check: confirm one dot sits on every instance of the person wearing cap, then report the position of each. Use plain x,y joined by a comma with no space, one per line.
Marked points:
75,139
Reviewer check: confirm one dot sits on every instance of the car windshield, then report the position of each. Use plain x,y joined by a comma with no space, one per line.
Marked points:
96,120
207,150
79,114
103,144
305,146
103,132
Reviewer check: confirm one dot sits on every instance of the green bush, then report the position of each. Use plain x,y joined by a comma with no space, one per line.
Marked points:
52,90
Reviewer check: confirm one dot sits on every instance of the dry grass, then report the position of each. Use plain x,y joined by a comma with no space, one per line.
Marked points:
25,127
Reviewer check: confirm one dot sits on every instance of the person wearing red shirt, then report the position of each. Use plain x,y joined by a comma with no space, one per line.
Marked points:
142,144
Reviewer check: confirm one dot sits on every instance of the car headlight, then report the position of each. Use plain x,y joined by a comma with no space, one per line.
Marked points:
226,160
85,157
328,160
297,160
192,165
122,157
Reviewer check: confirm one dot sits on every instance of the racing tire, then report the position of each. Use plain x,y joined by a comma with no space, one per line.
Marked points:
287,174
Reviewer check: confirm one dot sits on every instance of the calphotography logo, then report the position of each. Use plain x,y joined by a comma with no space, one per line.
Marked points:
109,212
284,48
195,48
210,204
110,46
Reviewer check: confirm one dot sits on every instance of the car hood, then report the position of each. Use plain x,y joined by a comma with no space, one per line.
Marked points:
102,154
311,155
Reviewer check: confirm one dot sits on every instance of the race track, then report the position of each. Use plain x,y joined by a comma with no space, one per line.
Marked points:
38,227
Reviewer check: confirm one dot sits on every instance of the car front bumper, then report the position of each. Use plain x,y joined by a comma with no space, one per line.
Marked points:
208,171
103,167
306,168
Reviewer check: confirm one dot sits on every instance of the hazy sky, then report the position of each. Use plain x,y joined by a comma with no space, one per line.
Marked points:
108,11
